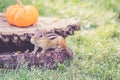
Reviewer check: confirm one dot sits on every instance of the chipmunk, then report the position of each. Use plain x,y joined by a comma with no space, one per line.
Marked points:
43,40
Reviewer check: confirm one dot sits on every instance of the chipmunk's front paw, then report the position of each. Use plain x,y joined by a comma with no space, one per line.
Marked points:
33,52
38,55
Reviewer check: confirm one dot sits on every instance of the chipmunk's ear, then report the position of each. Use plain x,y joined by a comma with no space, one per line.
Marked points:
44,31
37,32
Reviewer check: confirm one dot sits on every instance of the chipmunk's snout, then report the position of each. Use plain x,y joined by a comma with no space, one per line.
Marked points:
35,37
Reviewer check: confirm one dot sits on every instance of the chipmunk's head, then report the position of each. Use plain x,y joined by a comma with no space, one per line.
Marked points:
39,33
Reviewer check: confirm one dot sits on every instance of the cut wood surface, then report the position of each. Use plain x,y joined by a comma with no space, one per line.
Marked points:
43,23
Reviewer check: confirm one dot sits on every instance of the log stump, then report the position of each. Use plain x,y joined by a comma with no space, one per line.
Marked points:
14,39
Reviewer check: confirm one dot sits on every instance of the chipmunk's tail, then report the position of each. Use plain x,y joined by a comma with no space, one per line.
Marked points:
69,52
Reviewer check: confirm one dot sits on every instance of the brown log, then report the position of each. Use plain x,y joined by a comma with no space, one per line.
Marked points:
48,60
14,39
18,39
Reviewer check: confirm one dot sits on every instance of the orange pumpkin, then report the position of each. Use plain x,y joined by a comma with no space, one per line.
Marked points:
22,15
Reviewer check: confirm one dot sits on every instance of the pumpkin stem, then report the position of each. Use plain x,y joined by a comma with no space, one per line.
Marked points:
20,2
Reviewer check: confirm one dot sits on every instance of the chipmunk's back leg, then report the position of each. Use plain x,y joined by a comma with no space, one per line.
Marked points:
35,50
62,43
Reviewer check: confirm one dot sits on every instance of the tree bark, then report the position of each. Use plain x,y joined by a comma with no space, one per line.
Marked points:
49,60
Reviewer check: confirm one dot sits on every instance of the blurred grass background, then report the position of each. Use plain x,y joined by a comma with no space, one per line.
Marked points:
96,45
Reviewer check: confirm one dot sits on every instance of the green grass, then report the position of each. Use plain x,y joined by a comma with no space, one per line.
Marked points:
96,45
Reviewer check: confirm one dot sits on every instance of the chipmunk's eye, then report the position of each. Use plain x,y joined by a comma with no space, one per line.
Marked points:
41,35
